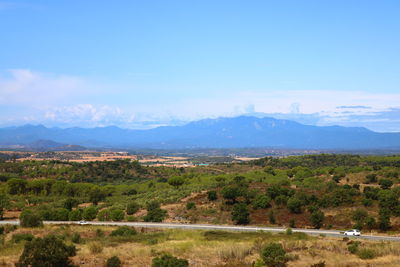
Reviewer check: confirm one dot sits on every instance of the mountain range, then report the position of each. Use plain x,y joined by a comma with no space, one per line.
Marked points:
237,132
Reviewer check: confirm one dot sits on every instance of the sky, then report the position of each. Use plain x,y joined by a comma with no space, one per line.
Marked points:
140,64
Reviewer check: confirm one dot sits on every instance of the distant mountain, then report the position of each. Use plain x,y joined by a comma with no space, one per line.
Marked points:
243,131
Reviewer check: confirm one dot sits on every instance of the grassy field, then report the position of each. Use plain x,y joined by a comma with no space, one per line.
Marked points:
201,248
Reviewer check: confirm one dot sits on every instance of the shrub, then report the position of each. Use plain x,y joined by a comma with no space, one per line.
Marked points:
49,251
367,202
190,205
176,181
95,247
16,238
317,218
154,212
370,222
169,261
371,178
212,195
274,255
75,215
292,223
117,215
124,231
261,202
30,219
132,208
76,238
318,264
89,213
353,247
289,231
99,233
385,183
366,254
294,205
104,215
240,213
113,262
271,217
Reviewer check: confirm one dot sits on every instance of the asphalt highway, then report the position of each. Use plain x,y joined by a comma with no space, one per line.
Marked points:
333,233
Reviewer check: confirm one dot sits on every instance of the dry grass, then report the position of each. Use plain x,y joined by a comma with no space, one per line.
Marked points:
217,249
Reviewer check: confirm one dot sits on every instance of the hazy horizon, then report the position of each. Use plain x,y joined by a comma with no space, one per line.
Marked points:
139,65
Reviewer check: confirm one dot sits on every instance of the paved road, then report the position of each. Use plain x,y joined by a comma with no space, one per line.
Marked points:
333,233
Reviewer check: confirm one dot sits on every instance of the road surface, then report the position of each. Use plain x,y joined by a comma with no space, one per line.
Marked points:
333,233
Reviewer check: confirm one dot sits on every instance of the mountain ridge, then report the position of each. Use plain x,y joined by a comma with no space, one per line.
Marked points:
236,132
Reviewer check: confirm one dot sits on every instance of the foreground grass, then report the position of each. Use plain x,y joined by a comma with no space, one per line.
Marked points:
202,248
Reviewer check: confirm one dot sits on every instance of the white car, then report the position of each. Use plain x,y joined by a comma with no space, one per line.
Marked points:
83,222
353,232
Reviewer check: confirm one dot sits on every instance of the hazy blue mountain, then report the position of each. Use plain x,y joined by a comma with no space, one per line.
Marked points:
243,131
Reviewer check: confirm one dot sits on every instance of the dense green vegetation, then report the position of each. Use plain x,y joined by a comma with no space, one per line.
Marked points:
287,191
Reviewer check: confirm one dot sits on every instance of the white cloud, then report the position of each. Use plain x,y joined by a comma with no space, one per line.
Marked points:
25,87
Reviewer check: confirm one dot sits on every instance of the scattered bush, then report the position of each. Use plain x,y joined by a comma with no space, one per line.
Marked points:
95,247
190,205
261,202
169,261
366,254
240,213
76,238
16,238
124,231
274,255
49,251
132,208
30,219
113,262
212,195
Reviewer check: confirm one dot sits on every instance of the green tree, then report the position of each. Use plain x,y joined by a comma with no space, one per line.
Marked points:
240,213
16,186
117,215
385,183
96,195
154,212
360,215
274,255
294,205
261,202
104,215
169,261
230,193
75,215
70,203
89,213
47,252
30,219
384,219
176,181
317,218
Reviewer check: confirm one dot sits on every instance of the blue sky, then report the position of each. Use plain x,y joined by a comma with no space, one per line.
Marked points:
145,63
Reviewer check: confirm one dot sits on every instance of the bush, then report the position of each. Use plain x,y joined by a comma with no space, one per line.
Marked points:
49,251
104,215
190,205
76,238
124,231
117,215
271,217
176,181
16,238
289,231
385,183
371,178
99,233
317,219
274,255
212,195
30,219
353,247
366,254
261,202
240,214
294,205
75,215
169,261
154,212
292,223
95,247
132,208
113,262
89,213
